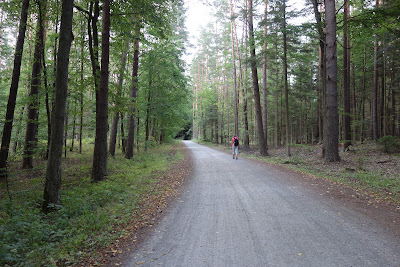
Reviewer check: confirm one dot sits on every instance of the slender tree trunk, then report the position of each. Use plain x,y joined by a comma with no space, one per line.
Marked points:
33,106
364,94
285,74
123,140
148,112
137,129
94,43
332,118
354,104
48,109
53,174
217,82
114,128
322,72
81,91
346,80
277,113
265,118
99,171
131,131
12,97
320,93
257,105
66,129
242,78
50,102
393,105
374,96
382,117
47,100
73,129
234,73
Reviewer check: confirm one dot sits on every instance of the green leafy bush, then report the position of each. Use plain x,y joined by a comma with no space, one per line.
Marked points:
389,144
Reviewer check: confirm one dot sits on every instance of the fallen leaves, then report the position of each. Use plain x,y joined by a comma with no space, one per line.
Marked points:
168,187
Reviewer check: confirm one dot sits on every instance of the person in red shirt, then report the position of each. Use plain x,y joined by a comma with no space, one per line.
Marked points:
235,146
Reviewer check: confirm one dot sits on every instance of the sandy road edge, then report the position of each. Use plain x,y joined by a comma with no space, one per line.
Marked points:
152,209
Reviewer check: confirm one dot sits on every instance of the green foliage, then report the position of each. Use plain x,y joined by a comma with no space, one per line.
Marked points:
389,144
90,214
378,181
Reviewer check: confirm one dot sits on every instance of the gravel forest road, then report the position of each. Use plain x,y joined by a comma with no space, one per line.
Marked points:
246,213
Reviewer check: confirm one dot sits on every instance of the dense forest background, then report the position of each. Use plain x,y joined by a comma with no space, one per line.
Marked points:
292,64
125,83
92,94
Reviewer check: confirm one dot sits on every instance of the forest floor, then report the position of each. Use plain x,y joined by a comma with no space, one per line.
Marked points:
97,221
364,167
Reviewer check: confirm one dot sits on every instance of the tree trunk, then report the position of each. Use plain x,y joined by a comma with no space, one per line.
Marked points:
81,91
322,72
265,119
285,74
123,140
66,129
382,117
321,80
354,103
393,104
234,73
147,130
53,174
114,128
94,43
50,104
8,123
346,80
332,118
374,96
277,113
99,171
33,106
73,129
131,131
242,83
47,100
257,105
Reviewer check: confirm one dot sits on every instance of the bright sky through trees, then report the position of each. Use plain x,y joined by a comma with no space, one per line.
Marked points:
198,15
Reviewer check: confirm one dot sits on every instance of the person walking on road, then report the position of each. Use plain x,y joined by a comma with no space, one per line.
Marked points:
235,146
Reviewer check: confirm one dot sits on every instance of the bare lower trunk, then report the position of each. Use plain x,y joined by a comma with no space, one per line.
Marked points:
99,171
265,118
114,128
285,74
33,106
6,138
346,80
53,174
332,117
234,73
257,105
131,131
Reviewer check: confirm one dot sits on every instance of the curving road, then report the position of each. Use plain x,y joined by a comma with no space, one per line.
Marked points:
243,213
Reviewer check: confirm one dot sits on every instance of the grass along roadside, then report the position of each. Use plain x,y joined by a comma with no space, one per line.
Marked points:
365,167
91,215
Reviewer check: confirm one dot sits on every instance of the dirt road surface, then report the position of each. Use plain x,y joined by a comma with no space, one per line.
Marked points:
246,213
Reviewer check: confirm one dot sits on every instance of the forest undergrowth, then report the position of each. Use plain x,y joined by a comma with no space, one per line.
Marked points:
365,167
91,216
